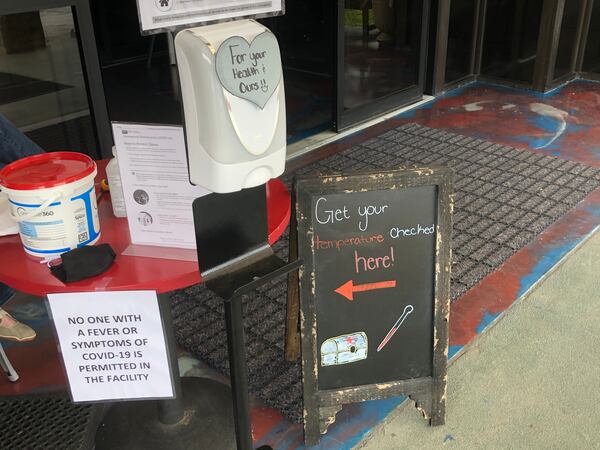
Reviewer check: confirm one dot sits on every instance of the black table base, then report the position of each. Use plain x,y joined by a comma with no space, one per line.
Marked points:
207,421
199,416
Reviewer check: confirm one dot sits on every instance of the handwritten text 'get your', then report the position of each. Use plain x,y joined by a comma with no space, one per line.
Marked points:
325,216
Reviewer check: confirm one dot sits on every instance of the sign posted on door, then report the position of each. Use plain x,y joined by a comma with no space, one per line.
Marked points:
374,290
112,345
157,16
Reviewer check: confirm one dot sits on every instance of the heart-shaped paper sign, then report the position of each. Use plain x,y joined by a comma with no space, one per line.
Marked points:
250,71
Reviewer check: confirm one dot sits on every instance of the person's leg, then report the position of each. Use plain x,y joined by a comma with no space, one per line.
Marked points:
10,328
14,144
13,330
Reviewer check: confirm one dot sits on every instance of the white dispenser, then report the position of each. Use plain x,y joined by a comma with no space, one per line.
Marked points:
234,103
117,197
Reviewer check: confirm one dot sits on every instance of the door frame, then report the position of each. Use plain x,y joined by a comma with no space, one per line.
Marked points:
345,119
548,38
439,47
82,17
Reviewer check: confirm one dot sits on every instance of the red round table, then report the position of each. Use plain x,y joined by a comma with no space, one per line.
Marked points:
207,399
25,273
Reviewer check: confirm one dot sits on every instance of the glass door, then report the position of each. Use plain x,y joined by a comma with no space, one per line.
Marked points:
590,54
380,57
570,31
50,85
510,43
307,40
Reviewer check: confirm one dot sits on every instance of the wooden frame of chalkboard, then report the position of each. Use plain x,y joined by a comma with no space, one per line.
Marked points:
374,290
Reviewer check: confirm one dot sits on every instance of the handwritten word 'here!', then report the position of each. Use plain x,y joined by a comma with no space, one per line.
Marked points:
325,216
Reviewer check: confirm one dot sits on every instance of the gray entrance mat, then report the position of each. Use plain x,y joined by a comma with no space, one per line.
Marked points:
504,198
47,422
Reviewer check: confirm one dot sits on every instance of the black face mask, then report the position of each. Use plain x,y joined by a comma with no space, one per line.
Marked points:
83,263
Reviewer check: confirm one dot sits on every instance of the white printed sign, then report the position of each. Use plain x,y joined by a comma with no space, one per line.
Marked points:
112,345
158,15
156,185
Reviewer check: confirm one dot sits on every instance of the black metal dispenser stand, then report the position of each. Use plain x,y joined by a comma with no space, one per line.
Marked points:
234,257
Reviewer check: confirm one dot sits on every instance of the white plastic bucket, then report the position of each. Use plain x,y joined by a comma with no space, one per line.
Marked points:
52,198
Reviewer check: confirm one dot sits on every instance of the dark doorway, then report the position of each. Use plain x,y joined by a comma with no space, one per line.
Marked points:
307,39
591,57
380,57
461,39
511,38
566,53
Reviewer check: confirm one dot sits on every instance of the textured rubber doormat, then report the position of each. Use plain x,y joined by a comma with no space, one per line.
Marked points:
47,422
18,87
503,199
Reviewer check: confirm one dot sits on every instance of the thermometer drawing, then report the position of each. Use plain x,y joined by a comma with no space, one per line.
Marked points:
407,310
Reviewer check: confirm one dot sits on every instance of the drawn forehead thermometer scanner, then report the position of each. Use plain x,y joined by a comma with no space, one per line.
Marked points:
234,109
407,310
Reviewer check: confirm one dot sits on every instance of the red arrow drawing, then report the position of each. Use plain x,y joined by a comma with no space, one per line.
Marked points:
348,289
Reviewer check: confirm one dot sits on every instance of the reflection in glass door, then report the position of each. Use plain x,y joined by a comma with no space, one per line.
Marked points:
380,58
42,86
462,36
566,52
591,55
307,45
46,88
512,29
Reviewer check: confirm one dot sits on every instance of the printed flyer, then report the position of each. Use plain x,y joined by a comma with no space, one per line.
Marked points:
156,15
156,186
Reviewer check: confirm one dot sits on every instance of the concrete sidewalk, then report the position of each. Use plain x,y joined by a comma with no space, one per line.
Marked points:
530,382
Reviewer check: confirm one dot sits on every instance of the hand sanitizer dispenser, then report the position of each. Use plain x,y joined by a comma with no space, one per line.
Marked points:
234,104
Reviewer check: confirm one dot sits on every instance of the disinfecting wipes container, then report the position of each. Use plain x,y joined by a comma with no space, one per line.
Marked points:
52,199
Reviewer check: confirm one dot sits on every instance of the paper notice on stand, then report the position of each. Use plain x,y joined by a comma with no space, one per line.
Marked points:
112,345
158,15
156,186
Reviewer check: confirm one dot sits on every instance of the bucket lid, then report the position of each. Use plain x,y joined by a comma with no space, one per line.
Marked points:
46,170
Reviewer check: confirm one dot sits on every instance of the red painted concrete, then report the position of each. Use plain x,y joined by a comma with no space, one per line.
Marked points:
509,116
263,420
501,288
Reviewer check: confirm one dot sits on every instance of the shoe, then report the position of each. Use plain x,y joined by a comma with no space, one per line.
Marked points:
12,329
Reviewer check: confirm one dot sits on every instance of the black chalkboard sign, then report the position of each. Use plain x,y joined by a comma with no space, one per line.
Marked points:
374,290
